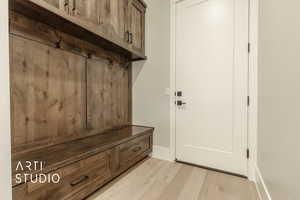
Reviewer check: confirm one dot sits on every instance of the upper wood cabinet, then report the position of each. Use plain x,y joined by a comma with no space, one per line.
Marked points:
55,3
121,20
115,24
60,4
113,18
87,10
110,16
137,25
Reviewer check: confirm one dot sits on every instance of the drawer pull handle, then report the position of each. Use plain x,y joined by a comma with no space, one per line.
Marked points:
136,149
79,180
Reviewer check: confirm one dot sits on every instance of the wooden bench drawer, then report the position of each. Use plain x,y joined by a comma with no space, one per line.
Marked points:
130,150
73,178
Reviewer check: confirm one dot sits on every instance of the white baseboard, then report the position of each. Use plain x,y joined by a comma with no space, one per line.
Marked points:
160,152
261,187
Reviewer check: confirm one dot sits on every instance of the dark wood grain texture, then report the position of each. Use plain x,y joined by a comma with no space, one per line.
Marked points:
84,163
106,31
137,25
107,95
71,93
73,178
32,65
68,152
48,92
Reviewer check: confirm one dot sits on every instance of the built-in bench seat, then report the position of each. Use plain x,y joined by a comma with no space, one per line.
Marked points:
83,165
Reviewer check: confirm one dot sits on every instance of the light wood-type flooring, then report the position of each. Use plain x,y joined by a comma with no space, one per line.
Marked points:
155,179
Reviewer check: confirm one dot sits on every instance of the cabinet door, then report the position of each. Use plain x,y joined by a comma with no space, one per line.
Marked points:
86,10
137,26
113,18
59,4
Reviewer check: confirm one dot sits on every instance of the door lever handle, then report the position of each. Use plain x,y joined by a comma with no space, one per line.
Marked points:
180,103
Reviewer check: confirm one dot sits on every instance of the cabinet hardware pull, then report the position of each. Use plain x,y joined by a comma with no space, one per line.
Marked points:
136,149
66,6
131,38
79,180
74,7
127,36
66,3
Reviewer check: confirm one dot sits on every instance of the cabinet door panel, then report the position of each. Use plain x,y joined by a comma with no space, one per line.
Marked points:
113,17
47,93
55,3
59,4
86,10
137,25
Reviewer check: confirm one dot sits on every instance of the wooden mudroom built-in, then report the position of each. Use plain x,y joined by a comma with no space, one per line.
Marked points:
71,99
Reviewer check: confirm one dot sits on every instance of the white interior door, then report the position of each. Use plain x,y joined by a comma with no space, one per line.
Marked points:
211,72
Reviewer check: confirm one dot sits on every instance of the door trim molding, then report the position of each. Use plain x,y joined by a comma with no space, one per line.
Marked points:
172,78
253,88
252,84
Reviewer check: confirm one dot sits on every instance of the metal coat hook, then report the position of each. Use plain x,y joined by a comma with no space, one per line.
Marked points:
58,43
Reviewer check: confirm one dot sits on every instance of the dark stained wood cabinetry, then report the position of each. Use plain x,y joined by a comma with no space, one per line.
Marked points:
59,4
137,25
84,165
118,25
107,93
56,3
73,178
113,18
47,88
71,94
87,10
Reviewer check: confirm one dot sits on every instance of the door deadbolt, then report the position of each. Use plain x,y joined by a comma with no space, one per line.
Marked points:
178,94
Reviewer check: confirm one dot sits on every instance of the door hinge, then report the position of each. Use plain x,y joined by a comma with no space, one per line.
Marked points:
248,153
248,100
249,47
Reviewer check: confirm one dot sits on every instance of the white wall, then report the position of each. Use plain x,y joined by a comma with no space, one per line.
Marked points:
5,160
279,97
151,78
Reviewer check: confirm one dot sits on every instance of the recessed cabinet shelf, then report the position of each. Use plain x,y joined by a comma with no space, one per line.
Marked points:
121,28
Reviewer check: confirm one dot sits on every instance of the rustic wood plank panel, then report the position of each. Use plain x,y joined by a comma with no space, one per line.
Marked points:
46,37
23,26
112,16
86,10
107,95
47,89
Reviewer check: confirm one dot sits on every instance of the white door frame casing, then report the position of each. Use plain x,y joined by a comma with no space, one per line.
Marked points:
252,81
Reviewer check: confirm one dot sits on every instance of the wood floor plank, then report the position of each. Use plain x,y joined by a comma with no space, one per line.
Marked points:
128,187
194,185
141,186
116,185
175,187
162,180
226,187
